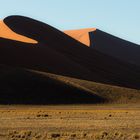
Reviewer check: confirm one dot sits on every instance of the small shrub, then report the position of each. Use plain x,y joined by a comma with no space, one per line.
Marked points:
136,136
73,135
55,135
38,115
46,115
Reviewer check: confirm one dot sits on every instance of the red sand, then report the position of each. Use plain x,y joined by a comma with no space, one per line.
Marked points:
6,32
82,35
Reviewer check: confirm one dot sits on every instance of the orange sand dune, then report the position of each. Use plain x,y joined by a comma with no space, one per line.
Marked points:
6,32
82,35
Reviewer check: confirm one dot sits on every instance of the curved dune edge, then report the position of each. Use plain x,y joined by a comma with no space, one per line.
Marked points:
6,32
82,35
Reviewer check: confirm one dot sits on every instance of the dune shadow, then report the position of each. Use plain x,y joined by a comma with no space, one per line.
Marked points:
19,86
111,45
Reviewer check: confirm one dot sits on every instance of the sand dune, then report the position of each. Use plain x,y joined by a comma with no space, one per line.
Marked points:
108,44
82,35
60,54
37,87
63,55
23,86
6,32
121,49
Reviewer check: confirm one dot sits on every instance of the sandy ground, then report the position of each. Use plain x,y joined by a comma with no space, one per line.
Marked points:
84,122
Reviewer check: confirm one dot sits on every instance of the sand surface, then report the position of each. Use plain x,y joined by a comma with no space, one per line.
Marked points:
6,32
82,35
84,122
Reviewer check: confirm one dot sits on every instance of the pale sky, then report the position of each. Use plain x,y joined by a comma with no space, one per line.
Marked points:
117,17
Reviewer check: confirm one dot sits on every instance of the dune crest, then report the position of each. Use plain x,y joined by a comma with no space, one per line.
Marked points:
6,32
82,35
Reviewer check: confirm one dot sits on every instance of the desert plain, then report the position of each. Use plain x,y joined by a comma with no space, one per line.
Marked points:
70,122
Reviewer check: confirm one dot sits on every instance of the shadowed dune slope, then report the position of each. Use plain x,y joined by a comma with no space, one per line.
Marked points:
21,86
6,32
37,87
108,44
58,53
111,94
116,47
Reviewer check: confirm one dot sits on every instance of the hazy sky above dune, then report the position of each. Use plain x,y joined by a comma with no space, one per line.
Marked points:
118,17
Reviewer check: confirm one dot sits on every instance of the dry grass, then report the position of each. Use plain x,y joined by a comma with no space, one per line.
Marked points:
110,122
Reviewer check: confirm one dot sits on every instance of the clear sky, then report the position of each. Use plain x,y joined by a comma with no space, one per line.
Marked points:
118,17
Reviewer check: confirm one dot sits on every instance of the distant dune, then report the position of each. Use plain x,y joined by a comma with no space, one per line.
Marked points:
82,35
116,47
108,44
57,53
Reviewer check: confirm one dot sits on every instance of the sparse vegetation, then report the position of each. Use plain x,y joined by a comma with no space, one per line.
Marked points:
82,122
136,136
42,115
55,135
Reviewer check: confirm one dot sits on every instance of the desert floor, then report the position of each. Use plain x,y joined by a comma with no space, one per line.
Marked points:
71,122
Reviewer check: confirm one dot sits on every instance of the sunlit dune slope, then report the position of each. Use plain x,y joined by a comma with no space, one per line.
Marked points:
6,32
82,35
